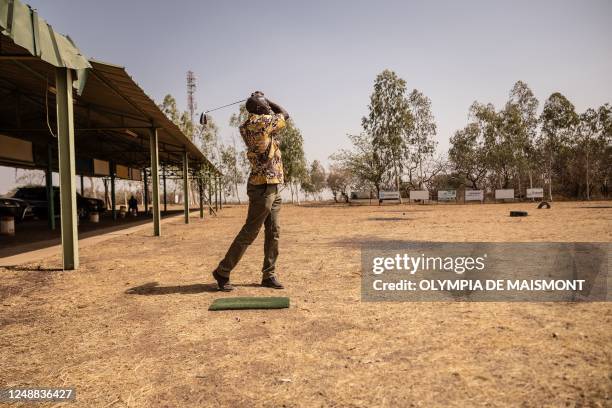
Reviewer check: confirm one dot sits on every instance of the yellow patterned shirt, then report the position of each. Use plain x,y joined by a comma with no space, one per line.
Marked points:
263,151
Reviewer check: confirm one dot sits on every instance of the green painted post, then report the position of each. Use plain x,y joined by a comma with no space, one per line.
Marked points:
50,192
113,198
216,193
155,181
164,182
186,186
146,192
209,181
65,139
221,195
201,195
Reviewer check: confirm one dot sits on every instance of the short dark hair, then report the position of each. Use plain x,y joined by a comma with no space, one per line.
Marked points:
258,104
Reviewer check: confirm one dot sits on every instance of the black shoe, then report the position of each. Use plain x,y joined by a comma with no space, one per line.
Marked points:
222,282
272,283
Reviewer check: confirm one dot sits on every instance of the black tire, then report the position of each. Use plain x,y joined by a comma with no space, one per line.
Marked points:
543,204
518,213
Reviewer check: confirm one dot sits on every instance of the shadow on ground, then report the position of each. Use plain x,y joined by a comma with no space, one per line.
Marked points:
153,288
388,219
31,268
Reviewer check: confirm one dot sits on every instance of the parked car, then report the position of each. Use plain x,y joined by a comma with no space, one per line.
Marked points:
15,208
36,197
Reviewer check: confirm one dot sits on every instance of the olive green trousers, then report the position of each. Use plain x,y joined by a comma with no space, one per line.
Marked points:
264,208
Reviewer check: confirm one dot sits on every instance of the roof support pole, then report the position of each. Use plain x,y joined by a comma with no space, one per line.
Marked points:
146,192
186,186
155,181
50,192
164,182
216,193
221,193
113,195
65,139
201,195
209,182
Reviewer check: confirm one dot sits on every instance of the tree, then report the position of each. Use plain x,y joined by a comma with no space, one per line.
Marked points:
294,160
521,109
316,179
421,143
338,181
558,119
389,121
231,168
585,133
362,162
467,154
209,141
168,107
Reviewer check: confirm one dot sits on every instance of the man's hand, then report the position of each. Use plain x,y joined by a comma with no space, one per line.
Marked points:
276,108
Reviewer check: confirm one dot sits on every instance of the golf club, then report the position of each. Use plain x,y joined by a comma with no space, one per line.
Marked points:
204,120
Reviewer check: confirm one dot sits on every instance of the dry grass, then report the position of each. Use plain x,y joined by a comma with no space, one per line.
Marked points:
160,347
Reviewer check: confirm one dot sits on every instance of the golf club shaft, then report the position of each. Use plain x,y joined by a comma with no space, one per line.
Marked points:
225,106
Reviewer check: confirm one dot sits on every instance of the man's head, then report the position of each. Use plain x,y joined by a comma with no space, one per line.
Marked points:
258,104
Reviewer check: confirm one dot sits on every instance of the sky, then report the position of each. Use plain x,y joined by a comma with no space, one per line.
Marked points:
319,59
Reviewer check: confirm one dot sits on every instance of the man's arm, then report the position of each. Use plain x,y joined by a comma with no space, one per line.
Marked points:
276,108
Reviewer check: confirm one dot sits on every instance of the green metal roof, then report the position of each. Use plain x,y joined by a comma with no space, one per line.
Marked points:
22,24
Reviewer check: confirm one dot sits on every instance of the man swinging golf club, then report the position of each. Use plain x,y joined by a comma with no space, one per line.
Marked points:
259,131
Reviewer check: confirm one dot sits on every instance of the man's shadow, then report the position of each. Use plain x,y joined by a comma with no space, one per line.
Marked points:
153,288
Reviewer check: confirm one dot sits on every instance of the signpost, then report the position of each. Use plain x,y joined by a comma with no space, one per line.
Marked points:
419,195
474,195
537,192
388,195
504,194
447,195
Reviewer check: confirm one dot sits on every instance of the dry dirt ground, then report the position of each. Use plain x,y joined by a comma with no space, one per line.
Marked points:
158,346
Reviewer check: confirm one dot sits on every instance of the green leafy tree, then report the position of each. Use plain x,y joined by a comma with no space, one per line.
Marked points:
389,121
339,181
315,181
294,160
467,155
365,165
522,126
168,107
232,169
421,143
559,120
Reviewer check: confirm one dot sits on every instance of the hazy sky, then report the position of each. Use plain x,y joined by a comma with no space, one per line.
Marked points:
319,58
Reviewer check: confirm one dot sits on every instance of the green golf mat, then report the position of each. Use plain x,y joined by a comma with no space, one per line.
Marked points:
241,303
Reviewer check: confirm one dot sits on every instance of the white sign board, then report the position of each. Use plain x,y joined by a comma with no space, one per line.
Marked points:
419,195
504,194
447,195
389,195
535,192
474,195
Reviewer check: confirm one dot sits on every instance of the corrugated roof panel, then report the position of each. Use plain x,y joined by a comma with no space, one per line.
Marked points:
21,24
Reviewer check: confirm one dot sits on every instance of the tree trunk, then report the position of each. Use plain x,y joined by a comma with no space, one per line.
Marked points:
236,189
588,188
550,177
397,182
297,194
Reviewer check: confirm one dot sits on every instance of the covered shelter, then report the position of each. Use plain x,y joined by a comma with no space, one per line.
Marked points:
61,112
